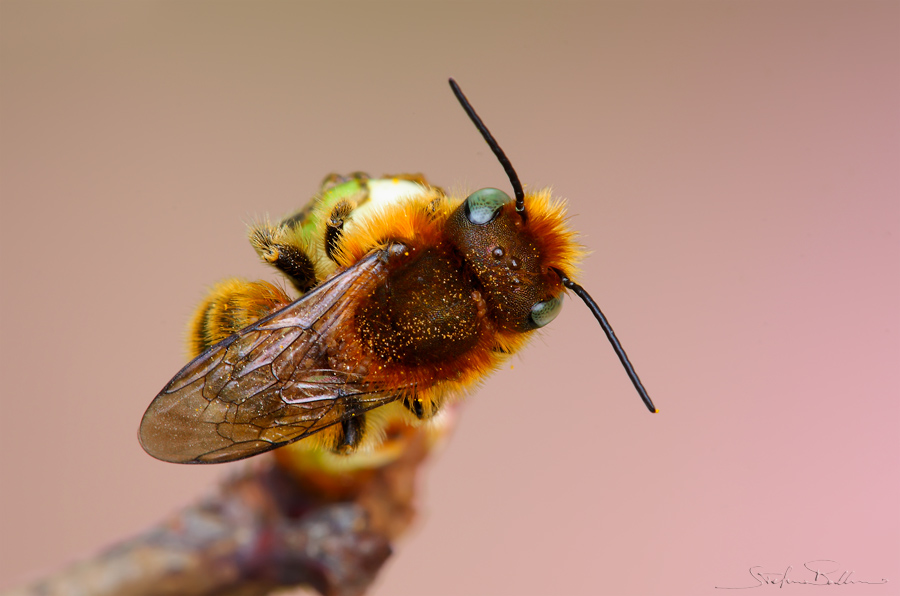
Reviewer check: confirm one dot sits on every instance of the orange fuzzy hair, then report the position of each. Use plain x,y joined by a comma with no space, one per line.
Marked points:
419,222
231,305
413,222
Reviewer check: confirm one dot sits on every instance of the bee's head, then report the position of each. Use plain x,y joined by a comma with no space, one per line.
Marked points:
514,257
520,251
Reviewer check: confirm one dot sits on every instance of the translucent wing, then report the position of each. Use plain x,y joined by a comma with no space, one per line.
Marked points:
265,386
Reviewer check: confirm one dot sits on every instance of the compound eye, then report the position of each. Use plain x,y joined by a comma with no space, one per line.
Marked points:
483,206
545,311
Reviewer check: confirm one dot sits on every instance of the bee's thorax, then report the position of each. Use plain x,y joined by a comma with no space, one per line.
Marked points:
423,312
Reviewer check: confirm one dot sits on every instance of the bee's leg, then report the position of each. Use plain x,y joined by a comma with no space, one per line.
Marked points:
328,184
352,431
415,405
297,218
330,181
334,227
352,428
419,407
333,179
272,245
231,306
432,208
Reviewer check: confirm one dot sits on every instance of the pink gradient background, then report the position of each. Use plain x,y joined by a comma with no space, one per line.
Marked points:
732,166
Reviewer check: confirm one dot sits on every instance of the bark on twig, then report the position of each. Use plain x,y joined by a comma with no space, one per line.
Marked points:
263,530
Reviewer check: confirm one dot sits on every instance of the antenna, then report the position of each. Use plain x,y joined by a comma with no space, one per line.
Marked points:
492,143
610,334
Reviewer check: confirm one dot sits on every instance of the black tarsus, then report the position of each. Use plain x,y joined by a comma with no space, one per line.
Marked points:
297,266
492,143
352,429
334,227
415,405
620,352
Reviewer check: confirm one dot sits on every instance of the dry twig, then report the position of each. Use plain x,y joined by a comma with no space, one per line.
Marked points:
264,529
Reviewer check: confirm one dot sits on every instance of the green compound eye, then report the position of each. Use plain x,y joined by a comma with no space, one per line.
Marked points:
483,206
545,311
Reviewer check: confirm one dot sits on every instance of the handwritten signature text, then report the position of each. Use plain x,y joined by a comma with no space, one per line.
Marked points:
822,572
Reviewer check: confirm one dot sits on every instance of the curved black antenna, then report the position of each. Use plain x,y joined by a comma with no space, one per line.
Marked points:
620,352
492,143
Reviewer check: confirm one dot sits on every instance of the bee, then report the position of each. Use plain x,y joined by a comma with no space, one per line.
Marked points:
409,297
